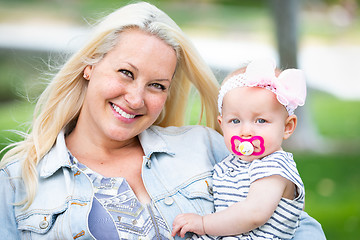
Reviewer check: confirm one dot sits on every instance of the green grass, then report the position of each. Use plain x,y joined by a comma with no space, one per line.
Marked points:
332,184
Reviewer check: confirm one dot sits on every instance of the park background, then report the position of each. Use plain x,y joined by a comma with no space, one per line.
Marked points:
36,36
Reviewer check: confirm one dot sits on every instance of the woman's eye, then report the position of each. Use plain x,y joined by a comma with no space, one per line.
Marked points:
261,120
127,73
158,86
235,121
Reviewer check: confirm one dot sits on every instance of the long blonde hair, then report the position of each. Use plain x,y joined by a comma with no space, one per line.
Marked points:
59,105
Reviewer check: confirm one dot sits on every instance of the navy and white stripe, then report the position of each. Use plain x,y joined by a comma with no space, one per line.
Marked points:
232,179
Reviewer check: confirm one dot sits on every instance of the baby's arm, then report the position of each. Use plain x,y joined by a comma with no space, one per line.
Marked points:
263,198
188,222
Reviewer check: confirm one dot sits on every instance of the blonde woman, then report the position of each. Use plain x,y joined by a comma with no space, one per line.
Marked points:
108,156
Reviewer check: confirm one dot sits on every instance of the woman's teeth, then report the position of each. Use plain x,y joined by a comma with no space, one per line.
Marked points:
121,112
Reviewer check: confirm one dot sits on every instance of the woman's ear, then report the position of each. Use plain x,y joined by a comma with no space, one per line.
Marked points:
290,125
87,72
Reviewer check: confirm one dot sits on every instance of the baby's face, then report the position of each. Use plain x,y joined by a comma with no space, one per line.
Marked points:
253,111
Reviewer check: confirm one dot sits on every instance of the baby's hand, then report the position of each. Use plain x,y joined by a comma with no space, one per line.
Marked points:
188,222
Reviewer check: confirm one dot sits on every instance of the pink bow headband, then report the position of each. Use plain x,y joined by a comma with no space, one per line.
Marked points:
289,87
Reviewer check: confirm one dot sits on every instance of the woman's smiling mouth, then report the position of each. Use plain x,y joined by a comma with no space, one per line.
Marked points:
122,113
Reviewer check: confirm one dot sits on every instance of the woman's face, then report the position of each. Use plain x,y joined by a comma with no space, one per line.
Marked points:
128,88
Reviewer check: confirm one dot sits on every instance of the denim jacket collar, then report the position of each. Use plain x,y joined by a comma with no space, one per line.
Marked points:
153,142
58,156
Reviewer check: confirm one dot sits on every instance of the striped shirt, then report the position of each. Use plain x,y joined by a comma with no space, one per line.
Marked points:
232,179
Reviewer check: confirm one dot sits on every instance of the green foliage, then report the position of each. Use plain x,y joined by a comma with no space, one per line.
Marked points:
14,116
9,77
20,75
336,118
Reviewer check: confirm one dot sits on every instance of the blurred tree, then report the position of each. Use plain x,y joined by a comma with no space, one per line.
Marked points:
285,15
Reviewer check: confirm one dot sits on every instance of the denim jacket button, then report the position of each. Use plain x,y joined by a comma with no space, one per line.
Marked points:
168,201
210,190
148,163
43,224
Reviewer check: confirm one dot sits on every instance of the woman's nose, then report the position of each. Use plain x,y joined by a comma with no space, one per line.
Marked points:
135,97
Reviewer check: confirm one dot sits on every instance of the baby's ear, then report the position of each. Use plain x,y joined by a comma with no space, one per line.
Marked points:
290,125
219,118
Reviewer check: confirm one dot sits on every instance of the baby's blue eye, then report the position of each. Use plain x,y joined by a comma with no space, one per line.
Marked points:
261,120
235,121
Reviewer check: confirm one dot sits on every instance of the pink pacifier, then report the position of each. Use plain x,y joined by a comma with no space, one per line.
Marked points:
246,147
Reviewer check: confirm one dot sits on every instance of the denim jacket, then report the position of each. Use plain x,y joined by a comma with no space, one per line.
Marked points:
177,173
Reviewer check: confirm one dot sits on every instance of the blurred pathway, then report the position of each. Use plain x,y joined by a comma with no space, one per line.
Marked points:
331,68
334,69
